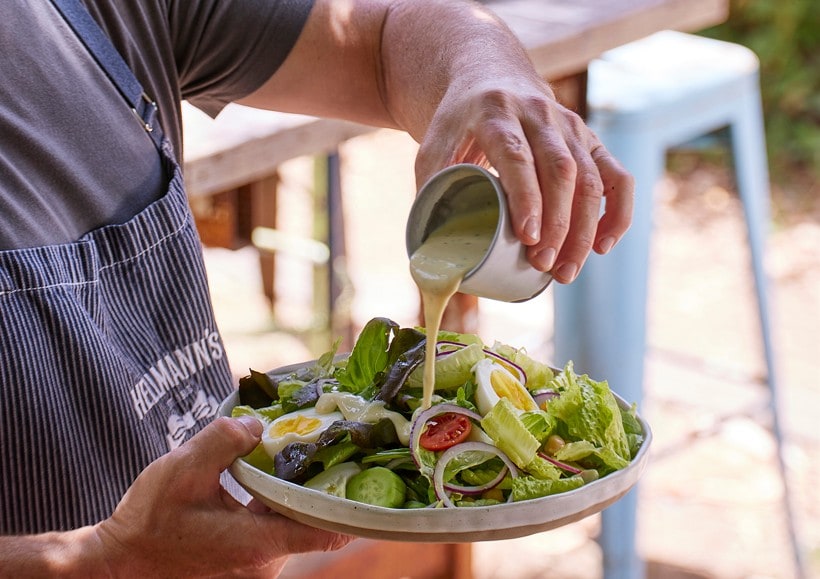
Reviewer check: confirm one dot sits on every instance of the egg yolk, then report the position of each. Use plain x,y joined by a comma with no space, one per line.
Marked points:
506,386
298,424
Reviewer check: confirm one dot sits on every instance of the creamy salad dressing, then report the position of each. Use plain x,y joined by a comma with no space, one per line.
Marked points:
439,265
358,409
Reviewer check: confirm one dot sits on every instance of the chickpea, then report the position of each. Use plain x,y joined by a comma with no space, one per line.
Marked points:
554,444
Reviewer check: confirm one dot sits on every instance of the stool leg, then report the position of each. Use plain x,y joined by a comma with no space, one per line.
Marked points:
600,324
752,178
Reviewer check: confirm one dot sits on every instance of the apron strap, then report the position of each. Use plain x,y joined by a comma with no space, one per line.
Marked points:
107,57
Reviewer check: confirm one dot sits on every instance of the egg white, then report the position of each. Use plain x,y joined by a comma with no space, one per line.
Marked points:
299,426
494,381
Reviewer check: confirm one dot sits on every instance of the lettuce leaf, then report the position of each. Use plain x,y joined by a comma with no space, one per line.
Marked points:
539,423
604,459
543,469
527,487
589,412
293,462
509,433
406,353
369,355
448,336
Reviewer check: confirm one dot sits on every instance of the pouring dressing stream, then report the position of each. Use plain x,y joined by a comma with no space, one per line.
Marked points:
459,238
439,266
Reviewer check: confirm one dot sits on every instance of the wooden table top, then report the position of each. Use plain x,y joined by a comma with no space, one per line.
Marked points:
562,36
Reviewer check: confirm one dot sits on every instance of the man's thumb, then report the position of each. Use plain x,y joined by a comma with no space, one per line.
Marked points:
224,440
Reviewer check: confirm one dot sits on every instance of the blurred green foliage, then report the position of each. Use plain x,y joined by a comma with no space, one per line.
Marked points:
785,35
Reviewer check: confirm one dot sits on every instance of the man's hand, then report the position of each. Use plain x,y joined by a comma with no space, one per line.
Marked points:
176,520
553,168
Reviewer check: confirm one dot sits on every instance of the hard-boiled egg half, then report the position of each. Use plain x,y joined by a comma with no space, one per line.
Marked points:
299,426
495,382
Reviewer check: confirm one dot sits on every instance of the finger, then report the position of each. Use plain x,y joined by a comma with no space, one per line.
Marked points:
219,444
290,536
556,171
586,208
619,195
506,148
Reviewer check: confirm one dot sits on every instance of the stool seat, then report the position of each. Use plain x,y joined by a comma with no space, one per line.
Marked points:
666,69
645,98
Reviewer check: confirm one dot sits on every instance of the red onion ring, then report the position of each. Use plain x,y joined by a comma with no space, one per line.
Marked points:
508,364
449,345
543,396
452,452
559,464
419,421
445,347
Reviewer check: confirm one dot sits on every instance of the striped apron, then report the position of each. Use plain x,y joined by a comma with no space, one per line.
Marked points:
109,353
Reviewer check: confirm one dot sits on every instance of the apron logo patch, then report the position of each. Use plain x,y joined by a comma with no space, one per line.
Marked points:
173,369
203,408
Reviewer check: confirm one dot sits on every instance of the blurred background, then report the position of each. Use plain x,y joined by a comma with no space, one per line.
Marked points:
712,500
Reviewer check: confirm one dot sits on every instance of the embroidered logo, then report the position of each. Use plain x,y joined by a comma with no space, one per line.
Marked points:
204,407
174,368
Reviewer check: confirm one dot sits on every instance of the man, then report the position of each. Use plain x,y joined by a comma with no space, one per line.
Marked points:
110,356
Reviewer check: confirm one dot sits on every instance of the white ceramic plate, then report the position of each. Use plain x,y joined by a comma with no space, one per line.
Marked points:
459,525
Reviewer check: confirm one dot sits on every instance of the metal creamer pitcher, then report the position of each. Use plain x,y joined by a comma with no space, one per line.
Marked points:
503,273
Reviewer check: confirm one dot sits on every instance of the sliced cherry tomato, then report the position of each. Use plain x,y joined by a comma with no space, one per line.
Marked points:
444,431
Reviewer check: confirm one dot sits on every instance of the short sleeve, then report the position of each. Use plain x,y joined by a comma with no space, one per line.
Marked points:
226,49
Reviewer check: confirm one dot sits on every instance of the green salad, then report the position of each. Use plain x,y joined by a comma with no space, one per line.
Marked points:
502,426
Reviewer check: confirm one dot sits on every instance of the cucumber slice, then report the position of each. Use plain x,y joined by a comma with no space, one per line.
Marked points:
333,481
377,486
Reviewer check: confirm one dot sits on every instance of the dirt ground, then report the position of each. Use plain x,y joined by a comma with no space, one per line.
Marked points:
712,499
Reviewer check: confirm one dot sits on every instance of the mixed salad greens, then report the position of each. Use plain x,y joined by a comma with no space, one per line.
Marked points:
502,426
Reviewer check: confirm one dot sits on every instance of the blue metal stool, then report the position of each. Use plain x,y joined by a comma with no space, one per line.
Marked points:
645,98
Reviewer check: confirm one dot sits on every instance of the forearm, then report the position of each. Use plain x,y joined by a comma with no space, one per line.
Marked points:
430,48
389,63
76,553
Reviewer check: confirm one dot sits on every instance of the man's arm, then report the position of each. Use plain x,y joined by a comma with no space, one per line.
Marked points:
76,553
454,77
175,520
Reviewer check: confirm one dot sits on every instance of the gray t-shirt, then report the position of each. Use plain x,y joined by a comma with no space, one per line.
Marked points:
72,155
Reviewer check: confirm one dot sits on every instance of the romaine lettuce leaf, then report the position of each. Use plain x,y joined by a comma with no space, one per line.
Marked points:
509,433
452,371
265,414
589,412
527,487
259,458
543,469
469,460
603,459
448,336
539,423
